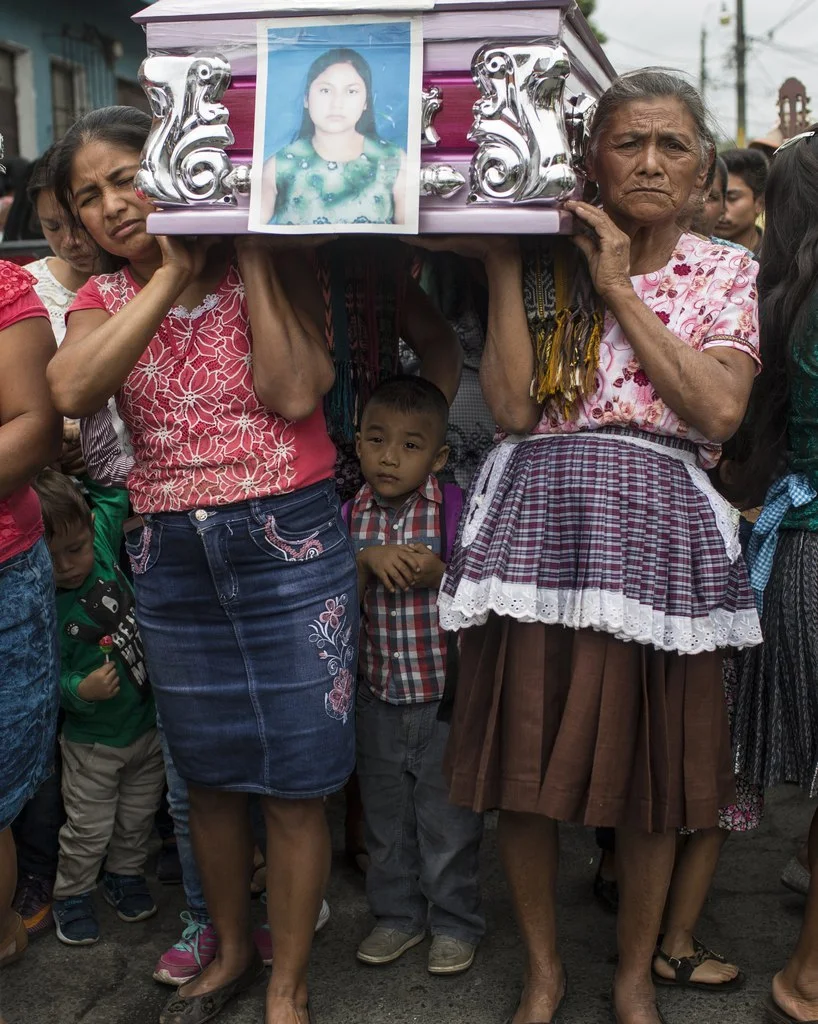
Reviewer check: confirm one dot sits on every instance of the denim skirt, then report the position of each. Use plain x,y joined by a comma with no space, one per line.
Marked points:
29,677
249,616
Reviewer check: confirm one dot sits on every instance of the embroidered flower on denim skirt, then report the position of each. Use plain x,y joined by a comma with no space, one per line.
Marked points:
332,635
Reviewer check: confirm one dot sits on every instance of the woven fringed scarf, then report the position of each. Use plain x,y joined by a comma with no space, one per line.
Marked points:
363,286
565,320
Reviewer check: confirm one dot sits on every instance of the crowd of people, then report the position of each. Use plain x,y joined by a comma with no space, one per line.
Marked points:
258,546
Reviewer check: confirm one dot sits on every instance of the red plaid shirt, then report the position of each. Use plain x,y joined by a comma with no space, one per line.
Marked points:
403,649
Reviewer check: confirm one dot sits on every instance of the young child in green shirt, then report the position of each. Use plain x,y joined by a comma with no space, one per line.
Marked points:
113,773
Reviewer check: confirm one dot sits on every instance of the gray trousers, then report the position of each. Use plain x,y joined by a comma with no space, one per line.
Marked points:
423,850
111,795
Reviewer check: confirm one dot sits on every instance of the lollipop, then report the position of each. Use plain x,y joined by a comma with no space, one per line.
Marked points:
106,645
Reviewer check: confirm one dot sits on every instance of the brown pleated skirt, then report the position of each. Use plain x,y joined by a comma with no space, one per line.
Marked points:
582,727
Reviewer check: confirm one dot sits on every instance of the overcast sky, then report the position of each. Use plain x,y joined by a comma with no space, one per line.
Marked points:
667,32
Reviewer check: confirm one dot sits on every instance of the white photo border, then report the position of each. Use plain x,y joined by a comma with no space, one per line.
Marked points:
413,142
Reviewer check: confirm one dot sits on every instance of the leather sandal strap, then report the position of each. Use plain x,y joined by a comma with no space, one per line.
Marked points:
707,954
682,966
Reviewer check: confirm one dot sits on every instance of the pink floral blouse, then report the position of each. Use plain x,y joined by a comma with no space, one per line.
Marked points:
200,434
706,295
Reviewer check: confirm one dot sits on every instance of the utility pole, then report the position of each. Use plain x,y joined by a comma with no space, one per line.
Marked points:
703,64
741,76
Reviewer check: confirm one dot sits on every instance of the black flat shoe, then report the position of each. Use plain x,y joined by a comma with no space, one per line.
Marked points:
198,1009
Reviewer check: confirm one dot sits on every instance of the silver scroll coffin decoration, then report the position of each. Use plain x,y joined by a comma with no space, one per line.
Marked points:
432,101
184,160
579,115
440,180
523,150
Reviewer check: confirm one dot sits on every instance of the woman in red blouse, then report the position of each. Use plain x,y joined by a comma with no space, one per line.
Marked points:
245,578
30,433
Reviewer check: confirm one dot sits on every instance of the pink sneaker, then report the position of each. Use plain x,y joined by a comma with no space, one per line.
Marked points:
191,954
264,942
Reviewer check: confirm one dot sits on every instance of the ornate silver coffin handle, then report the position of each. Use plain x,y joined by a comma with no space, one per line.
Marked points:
523,152
440,180
432,102
579,115
184,160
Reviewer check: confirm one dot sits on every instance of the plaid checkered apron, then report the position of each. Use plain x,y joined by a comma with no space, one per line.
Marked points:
611,529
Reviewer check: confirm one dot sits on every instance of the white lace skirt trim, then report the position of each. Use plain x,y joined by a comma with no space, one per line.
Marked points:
606,611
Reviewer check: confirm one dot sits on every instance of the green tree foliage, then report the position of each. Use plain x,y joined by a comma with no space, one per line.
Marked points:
587,8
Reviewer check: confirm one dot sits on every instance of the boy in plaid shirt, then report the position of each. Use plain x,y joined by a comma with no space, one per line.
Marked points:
423,850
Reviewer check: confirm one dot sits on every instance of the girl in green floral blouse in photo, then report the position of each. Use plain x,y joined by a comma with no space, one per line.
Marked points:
337,170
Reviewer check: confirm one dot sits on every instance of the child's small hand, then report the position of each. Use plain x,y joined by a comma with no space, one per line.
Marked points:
431,567
395,565
102,684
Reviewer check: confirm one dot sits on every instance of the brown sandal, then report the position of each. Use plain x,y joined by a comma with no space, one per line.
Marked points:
684,966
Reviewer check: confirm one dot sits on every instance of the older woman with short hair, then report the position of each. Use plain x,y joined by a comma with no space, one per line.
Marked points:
598,576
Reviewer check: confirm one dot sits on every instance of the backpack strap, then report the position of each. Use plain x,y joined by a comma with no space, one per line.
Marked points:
346,513
452,507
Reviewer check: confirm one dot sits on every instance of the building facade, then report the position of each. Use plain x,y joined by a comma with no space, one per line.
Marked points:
59,60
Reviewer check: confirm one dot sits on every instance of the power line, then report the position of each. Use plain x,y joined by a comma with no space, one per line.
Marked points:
794,52
793,13
651,53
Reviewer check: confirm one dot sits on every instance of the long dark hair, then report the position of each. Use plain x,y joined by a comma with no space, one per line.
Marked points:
124,127
341,55
787,282
23,223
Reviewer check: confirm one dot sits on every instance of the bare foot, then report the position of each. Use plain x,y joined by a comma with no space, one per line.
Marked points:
799,1004
710,971
218,973
541,998
635,1003
281,1010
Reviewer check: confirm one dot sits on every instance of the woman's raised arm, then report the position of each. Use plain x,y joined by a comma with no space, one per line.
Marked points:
507,366
292,367
99,350
708,389
30,429
426,331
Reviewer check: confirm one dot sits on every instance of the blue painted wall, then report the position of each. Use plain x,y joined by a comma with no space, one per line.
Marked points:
36,25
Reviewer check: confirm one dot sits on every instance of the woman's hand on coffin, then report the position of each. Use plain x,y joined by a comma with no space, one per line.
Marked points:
605,247
187,256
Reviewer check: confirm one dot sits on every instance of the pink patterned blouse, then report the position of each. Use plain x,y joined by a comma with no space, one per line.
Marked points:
21,522
706,295
200,435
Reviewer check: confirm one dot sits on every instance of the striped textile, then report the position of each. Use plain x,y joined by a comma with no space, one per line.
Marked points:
775,730
593,530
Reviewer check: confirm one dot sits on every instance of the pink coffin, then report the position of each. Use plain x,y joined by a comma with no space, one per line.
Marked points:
453,31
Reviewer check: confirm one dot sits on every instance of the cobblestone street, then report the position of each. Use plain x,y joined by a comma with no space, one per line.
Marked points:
750,918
